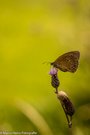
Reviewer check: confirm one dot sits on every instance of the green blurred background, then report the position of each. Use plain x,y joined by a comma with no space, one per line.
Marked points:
32,32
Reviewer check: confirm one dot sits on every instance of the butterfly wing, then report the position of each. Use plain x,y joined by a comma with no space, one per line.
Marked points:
67,62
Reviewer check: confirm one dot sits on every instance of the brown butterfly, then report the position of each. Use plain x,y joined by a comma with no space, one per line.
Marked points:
67,62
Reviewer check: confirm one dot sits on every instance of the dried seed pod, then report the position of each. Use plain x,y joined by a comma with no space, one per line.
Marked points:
54,78
67,106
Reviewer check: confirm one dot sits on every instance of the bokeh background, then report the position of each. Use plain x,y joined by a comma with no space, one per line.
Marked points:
33,32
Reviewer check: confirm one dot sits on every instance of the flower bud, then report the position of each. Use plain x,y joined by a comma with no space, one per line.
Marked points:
63,97
54,78
55,81
67,106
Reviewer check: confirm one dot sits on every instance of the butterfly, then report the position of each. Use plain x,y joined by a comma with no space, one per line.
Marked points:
67,62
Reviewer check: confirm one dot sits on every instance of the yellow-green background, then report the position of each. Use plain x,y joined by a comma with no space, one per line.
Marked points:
32,32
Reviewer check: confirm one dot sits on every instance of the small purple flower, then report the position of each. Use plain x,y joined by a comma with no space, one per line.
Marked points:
54,78
53,71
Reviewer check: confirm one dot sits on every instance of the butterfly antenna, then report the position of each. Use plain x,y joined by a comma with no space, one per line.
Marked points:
46,62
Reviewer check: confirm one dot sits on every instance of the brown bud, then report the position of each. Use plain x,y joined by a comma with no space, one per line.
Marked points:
67,106
62,96
55,81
